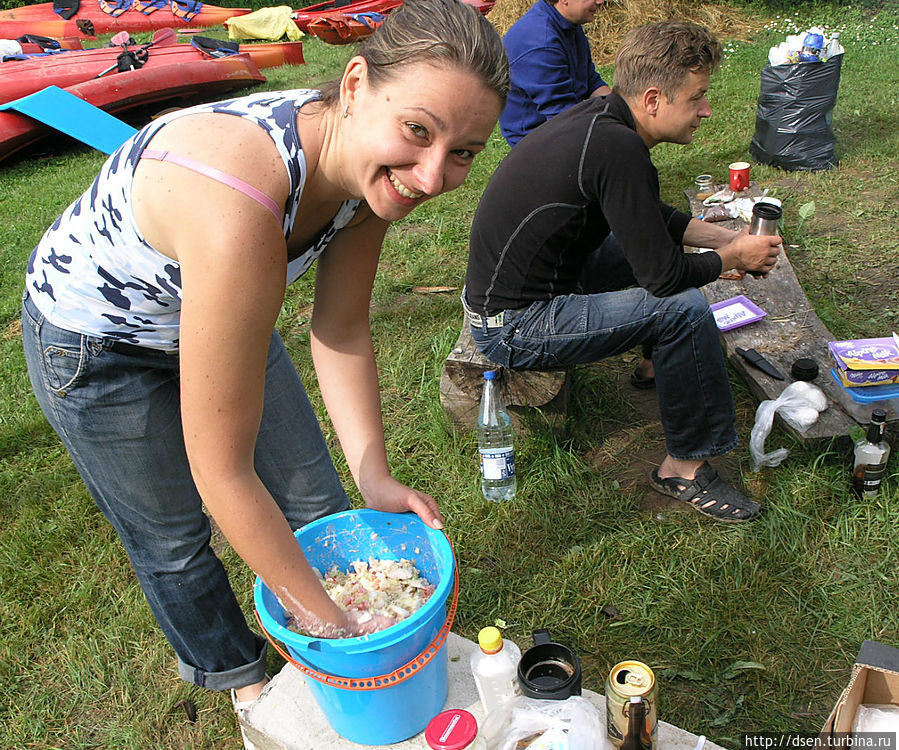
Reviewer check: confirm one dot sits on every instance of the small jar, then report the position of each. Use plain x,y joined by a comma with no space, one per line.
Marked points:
705,186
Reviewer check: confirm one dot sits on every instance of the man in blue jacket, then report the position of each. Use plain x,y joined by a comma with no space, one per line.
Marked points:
550,64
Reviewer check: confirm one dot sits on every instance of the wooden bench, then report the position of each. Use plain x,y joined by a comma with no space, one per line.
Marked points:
462,382
790,330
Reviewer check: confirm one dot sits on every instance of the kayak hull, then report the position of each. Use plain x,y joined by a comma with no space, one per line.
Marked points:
173,80
40,19
339,29
304,16
19,78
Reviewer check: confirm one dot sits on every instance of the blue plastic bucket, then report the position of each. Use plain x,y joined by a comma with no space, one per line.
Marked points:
381,688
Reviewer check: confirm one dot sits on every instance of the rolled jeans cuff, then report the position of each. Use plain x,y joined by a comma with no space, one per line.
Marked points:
239,677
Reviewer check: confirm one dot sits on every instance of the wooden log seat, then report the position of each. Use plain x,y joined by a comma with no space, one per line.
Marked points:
462,382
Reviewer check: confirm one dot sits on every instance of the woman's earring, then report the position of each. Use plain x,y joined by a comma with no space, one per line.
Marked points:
346,111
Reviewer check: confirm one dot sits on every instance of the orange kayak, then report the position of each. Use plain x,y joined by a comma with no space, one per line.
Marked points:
91,20
19,78
174,80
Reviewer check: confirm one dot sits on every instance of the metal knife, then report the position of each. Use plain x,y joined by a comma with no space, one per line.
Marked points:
757,360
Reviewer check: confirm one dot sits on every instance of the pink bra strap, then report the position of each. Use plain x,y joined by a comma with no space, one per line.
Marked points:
218,175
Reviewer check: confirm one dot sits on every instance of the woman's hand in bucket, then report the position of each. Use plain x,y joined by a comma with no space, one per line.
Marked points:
394,497
365,623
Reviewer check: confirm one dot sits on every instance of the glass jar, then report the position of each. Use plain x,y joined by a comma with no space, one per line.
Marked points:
705,186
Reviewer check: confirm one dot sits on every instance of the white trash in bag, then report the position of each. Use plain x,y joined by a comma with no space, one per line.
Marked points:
799,406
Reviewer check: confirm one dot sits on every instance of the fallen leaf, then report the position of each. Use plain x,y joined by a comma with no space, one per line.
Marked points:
610,610
190,709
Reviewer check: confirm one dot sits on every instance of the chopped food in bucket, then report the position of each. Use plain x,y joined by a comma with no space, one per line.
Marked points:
389,588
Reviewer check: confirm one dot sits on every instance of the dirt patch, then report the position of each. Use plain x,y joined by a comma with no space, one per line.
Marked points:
13,330
637,446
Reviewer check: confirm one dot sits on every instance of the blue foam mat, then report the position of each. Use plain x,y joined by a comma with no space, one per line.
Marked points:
64,111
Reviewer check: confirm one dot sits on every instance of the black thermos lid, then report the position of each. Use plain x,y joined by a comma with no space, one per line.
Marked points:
804,368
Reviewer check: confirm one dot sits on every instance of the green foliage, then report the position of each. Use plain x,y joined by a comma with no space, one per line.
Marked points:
749,628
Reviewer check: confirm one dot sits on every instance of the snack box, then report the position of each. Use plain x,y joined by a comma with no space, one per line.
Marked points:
863,362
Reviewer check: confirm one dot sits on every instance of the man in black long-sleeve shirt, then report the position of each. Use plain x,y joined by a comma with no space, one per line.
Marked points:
574,257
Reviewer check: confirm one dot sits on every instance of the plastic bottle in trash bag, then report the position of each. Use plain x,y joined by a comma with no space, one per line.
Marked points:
833,47
812,46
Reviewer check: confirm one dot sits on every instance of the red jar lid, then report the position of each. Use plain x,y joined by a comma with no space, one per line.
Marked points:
451,730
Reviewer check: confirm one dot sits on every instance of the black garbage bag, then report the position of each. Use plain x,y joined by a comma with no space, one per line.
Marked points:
793,123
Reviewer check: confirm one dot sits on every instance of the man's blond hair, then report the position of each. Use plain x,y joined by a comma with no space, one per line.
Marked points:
662,54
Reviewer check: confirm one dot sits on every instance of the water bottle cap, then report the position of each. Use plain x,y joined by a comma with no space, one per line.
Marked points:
490,640
490,375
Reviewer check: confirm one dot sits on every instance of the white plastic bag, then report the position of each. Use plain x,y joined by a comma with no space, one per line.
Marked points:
575,719
799,406
876,717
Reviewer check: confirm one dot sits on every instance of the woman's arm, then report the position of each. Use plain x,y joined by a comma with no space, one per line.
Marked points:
347,373
232,259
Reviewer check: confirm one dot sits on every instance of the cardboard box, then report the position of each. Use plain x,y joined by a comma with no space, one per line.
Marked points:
875,679
861,362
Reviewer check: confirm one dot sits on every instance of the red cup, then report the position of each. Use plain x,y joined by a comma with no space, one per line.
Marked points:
739,176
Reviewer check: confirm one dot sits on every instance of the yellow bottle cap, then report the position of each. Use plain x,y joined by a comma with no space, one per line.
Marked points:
490,640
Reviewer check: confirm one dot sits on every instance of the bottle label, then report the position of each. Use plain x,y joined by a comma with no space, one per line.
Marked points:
867,478
497,463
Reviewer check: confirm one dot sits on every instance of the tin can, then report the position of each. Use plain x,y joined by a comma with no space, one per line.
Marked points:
629,679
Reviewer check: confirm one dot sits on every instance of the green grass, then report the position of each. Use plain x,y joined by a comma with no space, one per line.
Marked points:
750,629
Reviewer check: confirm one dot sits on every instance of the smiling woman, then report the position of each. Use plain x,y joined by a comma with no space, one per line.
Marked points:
150,341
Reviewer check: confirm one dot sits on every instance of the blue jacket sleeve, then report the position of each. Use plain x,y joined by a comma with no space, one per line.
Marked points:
544,74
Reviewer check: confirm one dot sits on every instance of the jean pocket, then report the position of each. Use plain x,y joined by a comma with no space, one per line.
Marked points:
63,367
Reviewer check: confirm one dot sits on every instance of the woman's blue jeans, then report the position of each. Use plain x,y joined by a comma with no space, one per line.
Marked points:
119,416
695,400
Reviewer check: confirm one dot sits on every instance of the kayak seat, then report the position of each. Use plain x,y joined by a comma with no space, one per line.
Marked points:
66,8
114,8
214,47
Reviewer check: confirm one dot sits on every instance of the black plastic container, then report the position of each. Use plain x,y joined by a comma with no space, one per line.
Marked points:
549,670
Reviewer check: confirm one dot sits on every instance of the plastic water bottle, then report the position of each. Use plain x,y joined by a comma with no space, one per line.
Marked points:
495,444
495,669
834,47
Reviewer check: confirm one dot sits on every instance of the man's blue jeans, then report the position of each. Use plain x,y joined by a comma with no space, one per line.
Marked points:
679,332
119,416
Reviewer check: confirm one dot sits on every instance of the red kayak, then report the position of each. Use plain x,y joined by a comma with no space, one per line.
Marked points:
339,28
484,6
19,78
303,16
91,20
122,91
